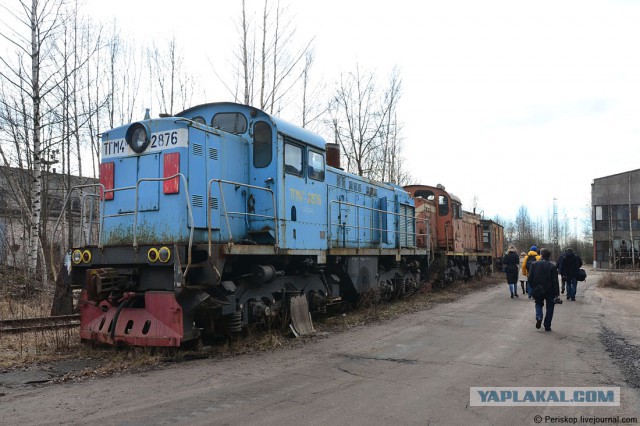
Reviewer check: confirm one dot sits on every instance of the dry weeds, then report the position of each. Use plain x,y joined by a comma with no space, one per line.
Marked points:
629,280
422,300
41,347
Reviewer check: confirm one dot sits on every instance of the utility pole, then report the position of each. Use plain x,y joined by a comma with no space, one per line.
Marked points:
633,252
555,228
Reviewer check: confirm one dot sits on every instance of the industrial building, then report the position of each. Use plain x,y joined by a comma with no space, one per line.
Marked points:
615,204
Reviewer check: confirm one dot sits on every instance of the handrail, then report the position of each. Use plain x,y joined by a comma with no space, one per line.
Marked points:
135,212
63,210
246,214
447,225
415,234
191,222
90,220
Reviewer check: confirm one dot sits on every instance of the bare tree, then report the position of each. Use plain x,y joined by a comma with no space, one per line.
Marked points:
312,105
390,160
42,84
174,86
268,73
42,21
363,123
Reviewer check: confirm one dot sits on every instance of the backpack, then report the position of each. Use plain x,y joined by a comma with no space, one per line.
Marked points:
528,263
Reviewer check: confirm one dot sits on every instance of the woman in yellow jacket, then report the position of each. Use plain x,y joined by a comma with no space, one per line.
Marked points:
531,257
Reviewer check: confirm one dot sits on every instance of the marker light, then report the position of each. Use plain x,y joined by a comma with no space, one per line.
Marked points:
76,256
164,254
152,254
86,256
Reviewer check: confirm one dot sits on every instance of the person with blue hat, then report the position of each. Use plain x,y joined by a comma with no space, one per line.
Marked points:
531,257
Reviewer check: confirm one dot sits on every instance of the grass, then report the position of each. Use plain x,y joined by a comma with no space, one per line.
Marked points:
56,345
423,299
620,280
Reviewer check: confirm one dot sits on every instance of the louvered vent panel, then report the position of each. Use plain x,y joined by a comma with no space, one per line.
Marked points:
197,200
213,154
213,203
197,149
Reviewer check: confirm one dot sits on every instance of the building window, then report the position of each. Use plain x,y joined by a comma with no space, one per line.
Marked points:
616,218
602,251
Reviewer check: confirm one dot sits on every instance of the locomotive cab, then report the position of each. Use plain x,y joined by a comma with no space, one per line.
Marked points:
462,246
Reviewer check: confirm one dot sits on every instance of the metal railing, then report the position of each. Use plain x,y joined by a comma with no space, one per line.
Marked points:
244,214
135,211
414,220
82,215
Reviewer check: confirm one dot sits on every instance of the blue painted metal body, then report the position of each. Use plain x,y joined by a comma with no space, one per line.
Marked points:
265,181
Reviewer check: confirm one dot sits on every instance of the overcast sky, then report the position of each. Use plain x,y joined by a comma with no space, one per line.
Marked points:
513,102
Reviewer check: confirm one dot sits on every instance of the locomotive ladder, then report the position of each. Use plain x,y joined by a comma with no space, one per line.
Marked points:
245,214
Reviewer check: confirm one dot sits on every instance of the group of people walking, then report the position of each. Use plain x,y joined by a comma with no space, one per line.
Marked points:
539,274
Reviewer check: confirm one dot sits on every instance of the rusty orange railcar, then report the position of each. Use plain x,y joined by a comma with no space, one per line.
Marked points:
463,243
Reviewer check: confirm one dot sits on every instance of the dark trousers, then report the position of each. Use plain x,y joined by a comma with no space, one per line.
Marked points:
572,287
549,314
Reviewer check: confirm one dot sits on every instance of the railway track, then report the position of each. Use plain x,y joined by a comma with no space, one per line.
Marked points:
21,325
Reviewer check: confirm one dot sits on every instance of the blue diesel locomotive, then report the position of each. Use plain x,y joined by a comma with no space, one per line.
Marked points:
221,216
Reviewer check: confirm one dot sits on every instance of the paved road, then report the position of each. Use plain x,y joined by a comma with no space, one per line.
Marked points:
413,370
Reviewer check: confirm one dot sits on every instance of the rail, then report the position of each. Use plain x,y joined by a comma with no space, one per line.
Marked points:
244,214
21,325
380,228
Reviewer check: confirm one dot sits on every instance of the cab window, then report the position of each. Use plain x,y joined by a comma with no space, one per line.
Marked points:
426,194
457,211
262,144
230,122
293,159
315,168
443,205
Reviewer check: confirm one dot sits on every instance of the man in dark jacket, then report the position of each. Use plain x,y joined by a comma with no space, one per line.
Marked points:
543,279
571,263
511,261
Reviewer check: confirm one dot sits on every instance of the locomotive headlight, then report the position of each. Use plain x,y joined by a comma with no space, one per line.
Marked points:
153,255
86,256
137,137
76,257
164,254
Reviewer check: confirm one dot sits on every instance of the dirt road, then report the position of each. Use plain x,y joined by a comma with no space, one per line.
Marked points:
416,369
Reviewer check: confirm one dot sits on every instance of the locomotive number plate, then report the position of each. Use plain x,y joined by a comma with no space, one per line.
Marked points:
176,138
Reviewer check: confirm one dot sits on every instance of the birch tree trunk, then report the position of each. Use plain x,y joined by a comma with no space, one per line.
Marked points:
36,193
